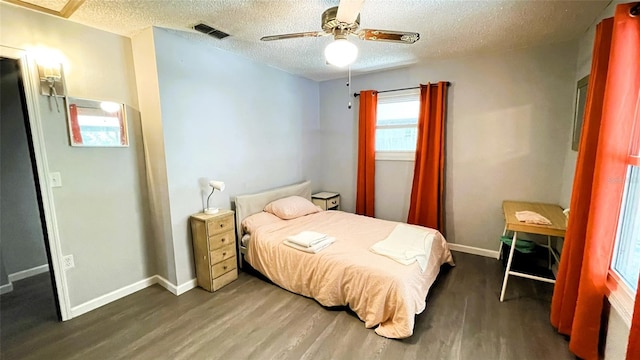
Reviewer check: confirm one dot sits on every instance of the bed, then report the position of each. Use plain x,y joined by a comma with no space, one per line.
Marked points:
382,292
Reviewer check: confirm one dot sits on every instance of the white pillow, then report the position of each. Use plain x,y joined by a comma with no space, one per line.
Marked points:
291,207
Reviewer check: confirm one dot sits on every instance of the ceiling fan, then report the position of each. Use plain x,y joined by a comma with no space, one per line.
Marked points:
341,21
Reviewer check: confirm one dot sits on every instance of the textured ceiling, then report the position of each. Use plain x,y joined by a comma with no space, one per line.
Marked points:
447,28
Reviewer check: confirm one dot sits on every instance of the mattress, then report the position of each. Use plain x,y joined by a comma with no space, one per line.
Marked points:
381,291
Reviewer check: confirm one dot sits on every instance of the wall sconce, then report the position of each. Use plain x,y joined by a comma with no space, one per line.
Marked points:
215,185
51,79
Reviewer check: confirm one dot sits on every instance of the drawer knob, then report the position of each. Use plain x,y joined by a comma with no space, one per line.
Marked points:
223,240
224,254
221,225
224,267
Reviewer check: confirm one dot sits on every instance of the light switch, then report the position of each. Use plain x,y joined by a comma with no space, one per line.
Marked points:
55,179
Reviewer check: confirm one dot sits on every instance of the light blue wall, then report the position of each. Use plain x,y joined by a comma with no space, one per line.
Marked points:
228,118
508,122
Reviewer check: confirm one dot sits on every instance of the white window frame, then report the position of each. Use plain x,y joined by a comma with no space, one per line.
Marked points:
397,96
621,296
396,155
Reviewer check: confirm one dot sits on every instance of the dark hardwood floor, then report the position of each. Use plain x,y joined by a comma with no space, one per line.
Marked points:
253,319
29,305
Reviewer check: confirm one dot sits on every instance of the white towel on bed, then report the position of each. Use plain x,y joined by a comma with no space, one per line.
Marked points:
314,249
406,244
307,238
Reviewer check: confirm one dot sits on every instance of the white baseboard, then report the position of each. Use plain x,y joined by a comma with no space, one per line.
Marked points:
183,288
6,288
112,296
28,273
128,290
474,250
176,290
166,284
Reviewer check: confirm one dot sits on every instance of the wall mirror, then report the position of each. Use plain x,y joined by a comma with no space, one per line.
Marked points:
96,123
581,101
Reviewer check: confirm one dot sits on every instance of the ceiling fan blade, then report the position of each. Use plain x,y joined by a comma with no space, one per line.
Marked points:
348,10
388,35
294,35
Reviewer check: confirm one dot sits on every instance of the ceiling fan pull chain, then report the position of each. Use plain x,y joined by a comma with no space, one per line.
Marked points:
349,88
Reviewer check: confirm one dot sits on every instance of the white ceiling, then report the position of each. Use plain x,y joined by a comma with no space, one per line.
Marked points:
447,28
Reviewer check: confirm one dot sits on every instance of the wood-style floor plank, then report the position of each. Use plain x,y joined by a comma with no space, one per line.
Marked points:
253,319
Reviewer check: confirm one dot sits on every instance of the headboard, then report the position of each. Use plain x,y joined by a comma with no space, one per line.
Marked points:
247,205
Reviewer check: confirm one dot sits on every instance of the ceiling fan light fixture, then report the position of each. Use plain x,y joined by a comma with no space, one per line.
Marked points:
341,52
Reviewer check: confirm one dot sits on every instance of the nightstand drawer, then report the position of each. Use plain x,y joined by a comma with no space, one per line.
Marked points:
327,200
333,202
223,280
221,240
223,254
223,267
219,225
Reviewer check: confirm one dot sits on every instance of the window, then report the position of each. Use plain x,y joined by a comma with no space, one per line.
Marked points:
625,265
626,258
397,125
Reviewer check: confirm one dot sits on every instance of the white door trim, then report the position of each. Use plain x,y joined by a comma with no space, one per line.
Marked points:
31,94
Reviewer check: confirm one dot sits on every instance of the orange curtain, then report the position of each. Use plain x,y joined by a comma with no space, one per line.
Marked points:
366,153
581,285
633,348
427,194
565,294
629,28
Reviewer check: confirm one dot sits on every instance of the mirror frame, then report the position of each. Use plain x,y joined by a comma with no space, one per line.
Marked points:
578,116
75,137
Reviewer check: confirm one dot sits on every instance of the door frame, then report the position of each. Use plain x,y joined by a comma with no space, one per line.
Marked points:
29,75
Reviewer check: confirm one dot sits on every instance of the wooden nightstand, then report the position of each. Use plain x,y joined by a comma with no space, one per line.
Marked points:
326,200
214,249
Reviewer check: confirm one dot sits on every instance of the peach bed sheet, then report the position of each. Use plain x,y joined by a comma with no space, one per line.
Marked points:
379,290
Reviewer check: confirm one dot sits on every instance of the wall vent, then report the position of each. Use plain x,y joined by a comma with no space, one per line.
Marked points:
206,29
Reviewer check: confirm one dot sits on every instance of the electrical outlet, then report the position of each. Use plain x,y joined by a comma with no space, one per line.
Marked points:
68,262
55,179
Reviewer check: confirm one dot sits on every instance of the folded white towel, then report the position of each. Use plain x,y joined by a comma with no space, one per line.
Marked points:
307,238
314,249
406,244
531,217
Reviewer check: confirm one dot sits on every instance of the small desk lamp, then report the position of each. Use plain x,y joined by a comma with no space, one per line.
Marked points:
215,185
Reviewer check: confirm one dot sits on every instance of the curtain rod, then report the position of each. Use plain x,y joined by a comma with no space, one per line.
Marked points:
392,90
